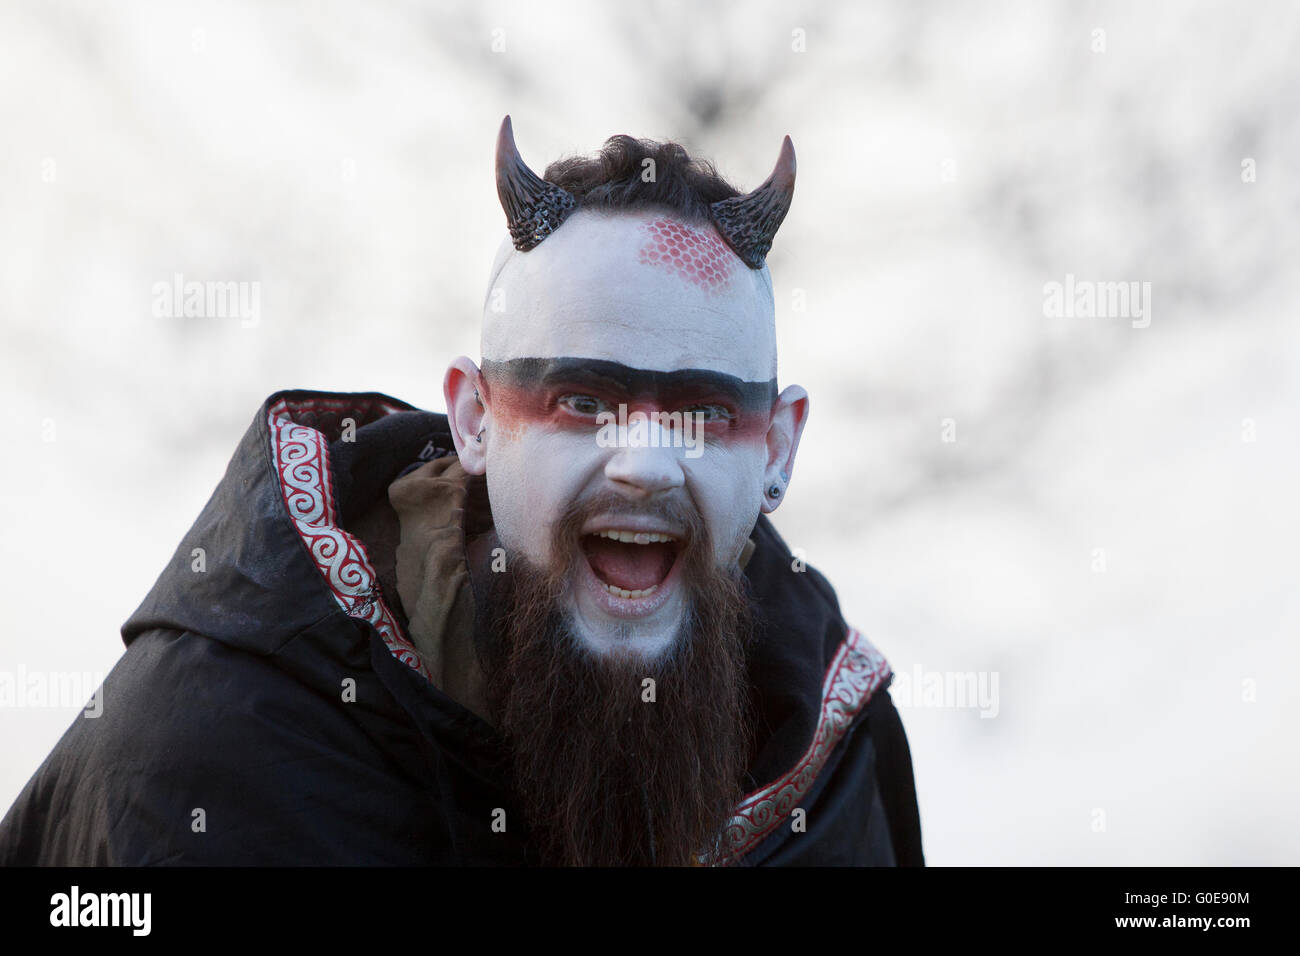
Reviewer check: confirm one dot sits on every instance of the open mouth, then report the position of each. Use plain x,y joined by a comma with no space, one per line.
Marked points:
630,564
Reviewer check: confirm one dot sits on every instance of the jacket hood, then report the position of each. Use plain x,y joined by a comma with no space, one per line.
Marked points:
269,558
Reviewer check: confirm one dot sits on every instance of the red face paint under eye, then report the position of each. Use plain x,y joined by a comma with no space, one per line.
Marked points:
696,256
569,394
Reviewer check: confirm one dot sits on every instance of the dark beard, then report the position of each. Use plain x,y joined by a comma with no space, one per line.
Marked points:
606,778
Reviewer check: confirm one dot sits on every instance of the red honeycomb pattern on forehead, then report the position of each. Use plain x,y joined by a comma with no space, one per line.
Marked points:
693,255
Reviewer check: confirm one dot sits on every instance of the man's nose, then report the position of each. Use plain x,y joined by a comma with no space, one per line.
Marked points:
645,471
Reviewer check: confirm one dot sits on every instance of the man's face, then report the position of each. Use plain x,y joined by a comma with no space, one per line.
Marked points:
647,313
622,546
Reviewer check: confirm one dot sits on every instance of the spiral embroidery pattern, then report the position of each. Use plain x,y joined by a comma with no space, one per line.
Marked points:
855,673
301,458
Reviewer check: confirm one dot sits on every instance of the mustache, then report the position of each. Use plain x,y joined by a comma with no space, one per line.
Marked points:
686,522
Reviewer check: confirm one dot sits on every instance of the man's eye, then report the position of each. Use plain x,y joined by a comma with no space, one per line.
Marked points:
583,404
711,412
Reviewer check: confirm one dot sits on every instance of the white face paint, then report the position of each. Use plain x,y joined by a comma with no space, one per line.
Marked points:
596,290
584,291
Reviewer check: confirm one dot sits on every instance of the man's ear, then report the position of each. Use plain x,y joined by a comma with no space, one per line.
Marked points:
466,414
789,415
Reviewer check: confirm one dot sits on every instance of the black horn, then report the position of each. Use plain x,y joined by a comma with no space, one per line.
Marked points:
534,208
749,222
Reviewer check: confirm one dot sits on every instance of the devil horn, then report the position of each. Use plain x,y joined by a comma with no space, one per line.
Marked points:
749,222
534,208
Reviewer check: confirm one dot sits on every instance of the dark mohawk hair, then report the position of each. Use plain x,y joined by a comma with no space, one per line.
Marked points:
612,179
616,179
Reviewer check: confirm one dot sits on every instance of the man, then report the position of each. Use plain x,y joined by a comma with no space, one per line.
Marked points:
552,626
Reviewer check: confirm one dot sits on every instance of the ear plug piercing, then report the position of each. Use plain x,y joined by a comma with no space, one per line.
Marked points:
775,490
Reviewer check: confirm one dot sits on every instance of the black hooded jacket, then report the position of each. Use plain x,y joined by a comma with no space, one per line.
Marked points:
269,708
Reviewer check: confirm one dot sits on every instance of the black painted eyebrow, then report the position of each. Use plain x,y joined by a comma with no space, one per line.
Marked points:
538,373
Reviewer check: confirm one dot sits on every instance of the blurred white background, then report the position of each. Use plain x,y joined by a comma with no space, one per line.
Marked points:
953,158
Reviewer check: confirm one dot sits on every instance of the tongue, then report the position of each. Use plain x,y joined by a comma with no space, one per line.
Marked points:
633,567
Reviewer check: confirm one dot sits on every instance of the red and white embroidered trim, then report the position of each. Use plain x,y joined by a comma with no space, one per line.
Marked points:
853,676
301,456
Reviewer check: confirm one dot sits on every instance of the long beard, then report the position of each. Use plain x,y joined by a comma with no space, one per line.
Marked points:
619,760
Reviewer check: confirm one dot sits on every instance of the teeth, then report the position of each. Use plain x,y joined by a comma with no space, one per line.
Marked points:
624,593
635,537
